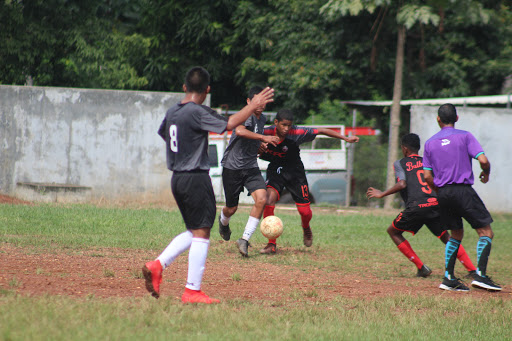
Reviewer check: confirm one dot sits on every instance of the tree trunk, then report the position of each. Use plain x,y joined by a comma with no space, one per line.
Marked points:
394,124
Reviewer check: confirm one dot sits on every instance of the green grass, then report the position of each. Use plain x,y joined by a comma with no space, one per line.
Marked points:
349,243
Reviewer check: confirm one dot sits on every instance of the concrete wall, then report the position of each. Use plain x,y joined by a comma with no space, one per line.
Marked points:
103,139
492,127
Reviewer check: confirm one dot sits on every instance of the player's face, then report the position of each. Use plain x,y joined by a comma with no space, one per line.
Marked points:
283,127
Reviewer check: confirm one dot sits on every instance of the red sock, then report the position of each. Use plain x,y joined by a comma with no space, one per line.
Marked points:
464,259
305,214
408,252
268,210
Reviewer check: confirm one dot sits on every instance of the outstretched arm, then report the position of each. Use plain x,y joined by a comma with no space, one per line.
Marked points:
375,193
242,131
332,133
486,168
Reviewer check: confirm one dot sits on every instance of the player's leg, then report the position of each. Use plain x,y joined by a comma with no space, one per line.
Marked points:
232,181
406,221
462,255
196,265
199,218
480,220
256,187
297,184
448,198
272,198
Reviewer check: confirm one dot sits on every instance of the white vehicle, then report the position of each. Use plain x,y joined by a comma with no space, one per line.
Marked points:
325,161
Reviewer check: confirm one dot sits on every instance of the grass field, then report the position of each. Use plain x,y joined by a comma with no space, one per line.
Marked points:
353,284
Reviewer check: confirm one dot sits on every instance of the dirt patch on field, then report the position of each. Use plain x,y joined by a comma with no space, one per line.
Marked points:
116,273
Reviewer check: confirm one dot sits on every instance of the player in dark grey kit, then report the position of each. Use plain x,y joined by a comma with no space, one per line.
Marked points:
185,132
240,169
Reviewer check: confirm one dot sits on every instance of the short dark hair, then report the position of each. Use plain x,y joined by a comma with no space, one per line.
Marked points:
411,141
197,80
447,113
284,114
254,91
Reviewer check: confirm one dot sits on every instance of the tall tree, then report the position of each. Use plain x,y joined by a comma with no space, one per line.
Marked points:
407,14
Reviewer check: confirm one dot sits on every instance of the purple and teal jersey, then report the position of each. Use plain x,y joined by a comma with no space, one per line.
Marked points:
448,154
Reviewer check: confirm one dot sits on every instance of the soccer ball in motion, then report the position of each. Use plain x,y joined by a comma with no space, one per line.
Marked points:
271,227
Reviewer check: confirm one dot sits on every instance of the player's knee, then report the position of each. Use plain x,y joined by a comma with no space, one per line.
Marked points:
392,231
229,211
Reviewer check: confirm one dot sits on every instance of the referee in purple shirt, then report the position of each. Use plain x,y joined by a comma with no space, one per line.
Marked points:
447,163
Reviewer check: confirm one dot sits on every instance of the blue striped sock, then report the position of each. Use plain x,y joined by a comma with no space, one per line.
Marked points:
450,255
483,249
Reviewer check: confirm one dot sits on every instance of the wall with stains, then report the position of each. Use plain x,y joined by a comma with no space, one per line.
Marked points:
103,139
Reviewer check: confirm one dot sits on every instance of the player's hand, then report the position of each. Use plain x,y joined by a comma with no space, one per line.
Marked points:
373,193
484,178
273,140
263,148
263,98
352,139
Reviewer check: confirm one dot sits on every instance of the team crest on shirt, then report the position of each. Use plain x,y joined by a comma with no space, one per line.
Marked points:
444,142
285,149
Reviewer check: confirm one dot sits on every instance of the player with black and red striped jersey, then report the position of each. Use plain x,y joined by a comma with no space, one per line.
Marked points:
286,169
421,206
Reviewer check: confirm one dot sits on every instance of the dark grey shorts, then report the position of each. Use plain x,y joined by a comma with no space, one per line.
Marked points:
234,182
194,195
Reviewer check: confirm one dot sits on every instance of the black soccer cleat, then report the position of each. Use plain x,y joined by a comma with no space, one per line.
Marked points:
225,231
308,236
484,282
269,249
453,285
470,275
424,271
243,247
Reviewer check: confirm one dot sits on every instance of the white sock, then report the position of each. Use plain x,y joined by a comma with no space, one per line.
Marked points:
196,261
178,245
223,219
252,225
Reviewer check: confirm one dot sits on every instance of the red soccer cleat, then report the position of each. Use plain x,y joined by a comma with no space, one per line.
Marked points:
197,296
152,272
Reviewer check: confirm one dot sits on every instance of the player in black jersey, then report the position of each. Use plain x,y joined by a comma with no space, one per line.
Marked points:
421,206
185,132
287,170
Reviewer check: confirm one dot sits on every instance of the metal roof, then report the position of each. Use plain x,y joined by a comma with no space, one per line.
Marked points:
475,100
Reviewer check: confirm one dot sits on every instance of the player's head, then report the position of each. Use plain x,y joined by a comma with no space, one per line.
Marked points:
410,142
252,92
283,122
197,80
447,114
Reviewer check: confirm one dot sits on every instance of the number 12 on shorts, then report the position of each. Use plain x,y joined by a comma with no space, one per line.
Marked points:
173,138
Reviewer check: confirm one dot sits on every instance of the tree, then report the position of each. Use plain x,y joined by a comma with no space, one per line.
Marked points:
407,15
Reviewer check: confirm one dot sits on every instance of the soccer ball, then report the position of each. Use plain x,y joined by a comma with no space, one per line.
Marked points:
271,227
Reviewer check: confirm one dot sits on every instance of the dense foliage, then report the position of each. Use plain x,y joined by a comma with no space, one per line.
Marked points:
309,57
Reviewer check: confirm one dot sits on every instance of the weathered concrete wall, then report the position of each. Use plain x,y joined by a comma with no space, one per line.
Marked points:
492,127
103,139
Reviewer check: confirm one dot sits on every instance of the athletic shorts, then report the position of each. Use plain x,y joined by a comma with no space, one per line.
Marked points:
234,182
293,178
193,192
413,218
461,201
